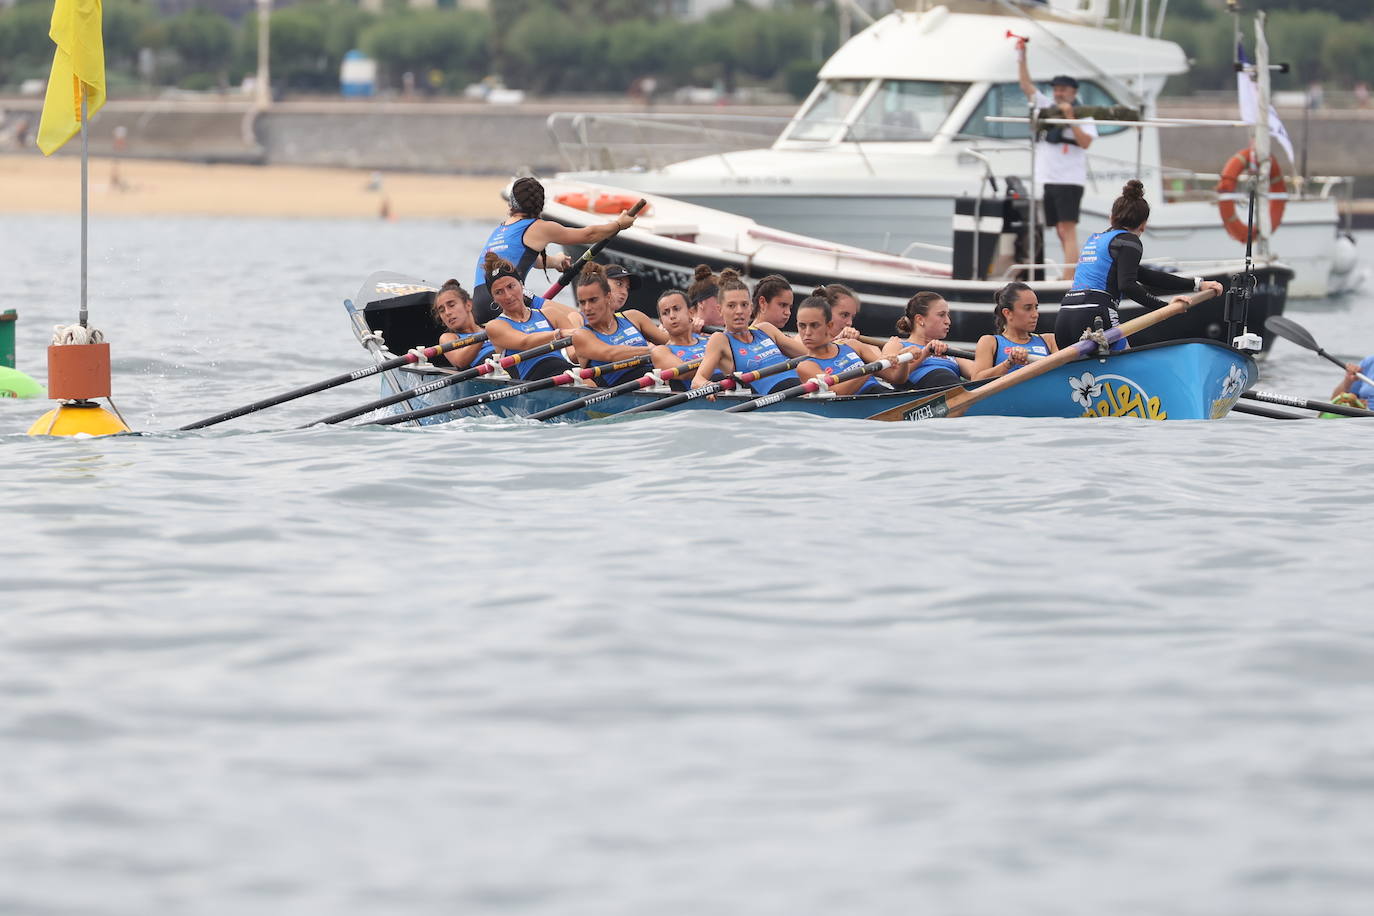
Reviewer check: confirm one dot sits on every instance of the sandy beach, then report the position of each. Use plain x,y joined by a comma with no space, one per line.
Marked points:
141,186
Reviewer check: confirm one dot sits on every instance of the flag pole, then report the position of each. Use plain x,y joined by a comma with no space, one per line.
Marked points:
85,197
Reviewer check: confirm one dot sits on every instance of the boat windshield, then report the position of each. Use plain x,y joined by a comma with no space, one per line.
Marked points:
828,109
906,110
1006,100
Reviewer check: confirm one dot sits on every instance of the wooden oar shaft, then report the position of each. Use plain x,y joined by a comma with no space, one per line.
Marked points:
1324,406
590,254
646,380
337,380
729,383
510,391
505,362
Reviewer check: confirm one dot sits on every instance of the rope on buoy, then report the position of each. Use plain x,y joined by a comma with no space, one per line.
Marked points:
69,334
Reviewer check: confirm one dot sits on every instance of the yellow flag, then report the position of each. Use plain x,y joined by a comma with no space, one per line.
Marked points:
79,62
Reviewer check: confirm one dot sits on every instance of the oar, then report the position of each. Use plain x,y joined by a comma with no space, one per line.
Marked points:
1289,401
337,380
504,362
1256,411
729,383
823,383
950,351
1291,330
952,402
511,391
589,255
644,381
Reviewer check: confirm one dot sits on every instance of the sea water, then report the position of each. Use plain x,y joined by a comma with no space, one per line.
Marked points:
692,663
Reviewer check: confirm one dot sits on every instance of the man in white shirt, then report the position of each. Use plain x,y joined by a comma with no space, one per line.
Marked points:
1061,160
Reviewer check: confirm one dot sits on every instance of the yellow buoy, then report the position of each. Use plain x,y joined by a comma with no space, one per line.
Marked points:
79,418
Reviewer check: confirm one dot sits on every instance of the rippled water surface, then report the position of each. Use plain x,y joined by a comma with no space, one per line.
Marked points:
685,664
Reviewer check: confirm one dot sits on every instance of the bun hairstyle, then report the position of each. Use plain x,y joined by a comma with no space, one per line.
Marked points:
704,285
918,304
593,274
450,286
527,197
1005,298
816,302
1130,211
729,279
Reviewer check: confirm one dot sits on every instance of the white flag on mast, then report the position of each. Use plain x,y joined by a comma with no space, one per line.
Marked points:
1249,104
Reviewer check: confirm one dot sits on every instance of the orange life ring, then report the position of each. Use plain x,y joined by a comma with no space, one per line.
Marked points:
574,200
614,203
1245,160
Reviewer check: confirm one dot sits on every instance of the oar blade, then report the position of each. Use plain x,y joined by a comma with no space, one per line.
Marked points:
1290,330
947,403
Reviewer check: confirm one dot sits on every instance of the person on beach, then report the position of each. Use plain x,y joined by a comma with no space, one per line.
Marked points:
1109,270
704,296
828,356
522,238
521,325
1015,313
609,335
773,300
453,310
924,327
744,346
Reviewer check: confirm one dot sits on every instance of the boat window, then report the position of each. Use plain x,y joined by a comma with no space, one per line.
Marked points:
1006,100
907,110
827,111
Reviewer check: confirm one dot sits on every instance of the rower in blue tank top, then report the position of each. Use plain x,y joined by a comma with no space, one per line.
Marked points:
452,308
742,346
925,324
522,238
1016,312
522,325
678,317
827,356
609,336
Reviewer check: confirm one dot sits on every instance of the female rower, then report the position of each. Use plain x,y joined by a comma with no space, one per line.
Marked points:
684,344
522,325
844,305
1015,313
815,319
704,295
453,310
1352,391
742,346
1109,269
925,325
622,281
773,300
609,335
521,240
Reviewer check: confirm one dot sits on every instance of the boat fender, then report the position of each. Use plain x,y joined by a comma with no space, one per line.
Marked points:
1230,174
15,384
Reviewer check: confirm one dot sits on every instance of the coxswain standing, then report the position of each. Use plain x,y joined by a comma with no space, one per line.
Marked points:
1109,270
608,335
1015,314
522,238
744,347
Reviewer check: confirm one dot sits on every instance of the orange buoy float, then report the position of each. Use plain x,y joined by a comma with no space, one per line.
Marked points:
1242,161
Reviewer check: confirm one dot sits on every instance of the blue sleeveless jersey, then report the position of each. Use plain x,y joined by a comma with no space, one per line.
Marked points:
531,325
757,353
509,243
691,351
1095,262
846,358
1036,347
930,364
624,335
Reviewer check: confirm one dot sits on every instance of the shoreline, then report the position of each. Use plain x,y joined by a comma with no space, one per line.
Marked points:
155,187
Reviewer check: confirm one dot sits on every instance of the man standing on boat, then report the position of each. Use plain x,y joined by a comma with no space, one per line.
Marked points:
1061,159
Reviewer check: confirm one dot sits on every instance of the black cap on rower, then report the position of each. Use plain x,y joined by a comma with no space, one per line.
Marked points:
618,272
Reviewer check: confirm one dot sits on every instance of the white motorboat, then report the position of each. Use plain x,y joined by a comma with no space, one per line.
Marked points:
905,119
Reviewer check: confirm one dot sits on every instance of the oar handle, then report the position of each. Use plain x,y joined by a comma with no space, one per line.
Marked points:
589,255
813,385
644,381
949,351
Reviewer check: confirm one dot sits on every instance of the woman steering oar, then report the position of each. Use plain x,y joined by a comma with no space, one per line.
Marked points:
729,383
589,255
645,381
505,362
414,356
823,382
952,402
510,391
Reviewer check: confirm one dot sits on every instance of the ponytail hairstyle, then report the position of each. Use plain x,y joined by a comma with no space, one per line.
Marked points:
527,197
495,267
767,288
1130,211
593,274
704,285
1005,298
918,304
450,286
816,302
729,280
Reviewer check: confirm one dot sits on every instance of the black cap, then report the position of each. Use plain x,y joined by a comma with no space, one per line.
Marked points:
617,272
1063,80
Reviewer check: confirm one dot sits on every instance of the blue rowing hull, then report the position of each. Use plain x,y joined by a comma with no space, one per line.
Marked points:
1186,380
